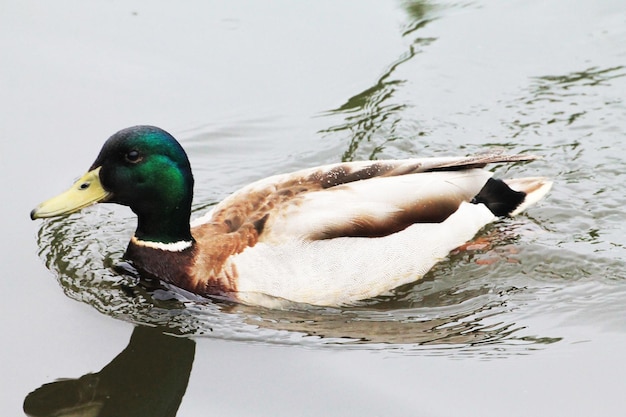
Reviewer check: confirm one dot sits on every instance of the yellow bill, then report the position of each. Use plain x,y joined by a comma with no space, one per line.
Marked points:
85,192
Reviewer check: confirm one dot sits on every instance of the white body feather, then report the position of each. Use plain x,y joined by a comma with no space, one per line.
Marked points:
347,269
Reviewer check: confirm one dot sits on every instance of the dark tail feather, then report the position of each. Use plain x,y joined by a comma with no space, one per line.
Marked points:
511,196
499,197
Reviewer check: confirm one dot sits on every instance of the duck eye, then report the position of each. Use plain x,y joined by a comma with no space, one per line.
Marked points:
133,156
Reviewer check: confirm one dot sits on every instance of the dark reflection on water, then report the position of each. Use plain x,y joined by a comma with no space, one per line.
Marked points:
148,378
408,329
373,116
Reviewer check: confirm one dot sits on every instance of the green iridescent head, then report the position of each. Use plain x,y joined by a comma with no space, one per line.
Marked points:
142,167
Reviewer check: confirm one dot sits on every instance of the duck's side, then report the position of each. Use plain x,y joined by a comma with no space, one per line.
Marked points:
337,234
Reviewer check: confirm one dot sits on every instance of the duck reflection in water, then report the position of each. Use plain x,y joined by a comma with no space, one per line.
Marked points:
148,378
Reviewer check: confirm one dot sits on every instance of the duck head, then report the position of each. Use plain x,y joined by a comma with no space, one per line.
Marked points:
144,168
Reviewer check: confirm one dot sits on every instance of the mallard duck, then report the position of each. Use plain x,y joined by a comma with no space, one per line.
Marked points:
330,235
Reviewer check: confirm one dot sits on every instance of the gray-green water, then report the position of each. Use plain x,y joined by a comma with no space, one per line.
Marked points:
533,326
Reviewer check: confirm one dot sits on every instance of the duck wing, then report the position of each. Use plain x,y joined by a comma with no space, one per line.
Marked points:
355,199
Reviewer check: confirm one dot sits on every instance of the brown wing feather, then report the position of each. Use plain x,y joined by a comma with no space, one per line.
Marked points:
236,225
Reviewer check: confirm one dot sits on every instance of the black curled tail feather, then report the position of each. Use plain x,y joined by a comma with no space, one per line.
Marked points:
499,197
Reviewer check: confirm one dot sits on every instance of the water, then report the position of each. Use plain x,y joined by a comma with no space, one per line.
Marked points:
533,324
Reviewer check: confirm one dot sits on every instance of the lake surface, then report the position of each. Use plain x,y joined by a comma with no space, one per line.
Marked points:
534,325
